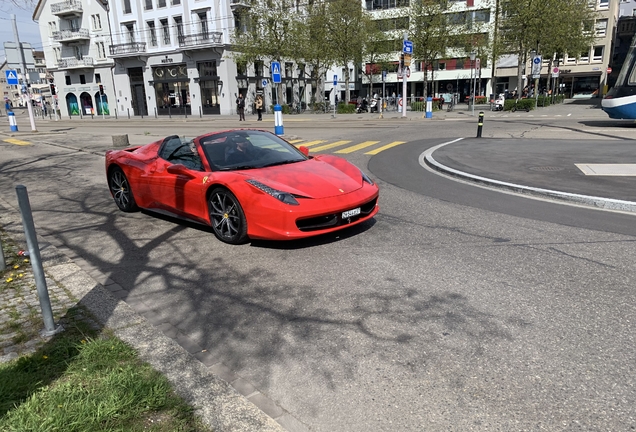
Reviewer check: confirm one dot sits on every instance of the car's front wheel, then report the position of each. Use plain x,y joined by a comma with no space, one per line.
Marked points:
227,217
122,193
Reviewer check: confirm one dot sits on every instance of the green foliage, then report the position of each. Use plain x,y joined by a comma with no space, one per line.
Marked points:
520,104
418,106
285,109
544,101
82,381
346,108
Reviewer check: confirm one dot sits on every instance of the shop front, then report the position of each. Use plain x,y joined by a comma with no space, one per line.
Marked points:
209,85
172,89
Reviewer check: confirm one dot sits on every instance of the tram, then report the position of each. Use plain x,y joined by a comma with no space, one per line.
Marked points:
620,101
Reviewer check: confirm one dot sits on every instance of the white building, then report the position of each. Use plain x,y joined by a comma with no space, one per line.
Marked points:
75,36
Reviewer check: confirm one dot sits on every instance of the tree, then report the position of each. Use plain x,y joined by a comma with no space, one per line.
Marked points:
347,26
433,32
377,51
550,27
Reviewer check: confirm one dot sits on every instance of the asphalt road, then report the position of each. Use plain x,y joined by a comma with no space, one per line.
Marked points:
457,308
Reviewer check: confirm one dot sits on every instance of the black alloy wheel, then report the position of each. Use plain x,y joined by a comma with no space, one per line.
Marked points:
120,188
227,217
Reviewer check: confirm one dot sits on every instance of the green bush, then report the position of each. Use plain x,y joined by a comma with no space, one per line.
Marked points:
418,106
286,109
522,104
543,101
345,108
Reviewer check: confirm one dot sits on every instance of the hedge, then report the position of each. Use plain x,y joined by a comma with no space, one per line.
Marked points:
346,108
522,104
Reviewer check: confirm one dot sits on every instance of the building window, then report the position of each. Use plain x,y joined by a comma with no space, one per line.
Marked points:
130,32
258,68
165,31
82,79
152,34
148,5
603,4
98,78
97,22
601,27
386,4
585,57
289,70
203,22
101,50
52,28
68,80
161,3
207,69
178,23
176,2
58,53
127,8
598,53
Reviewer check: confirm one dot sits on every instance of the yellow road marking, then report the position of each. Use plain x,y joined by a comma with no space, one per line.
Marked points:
385,147
311,143
330,146
16,141
295,141
358,147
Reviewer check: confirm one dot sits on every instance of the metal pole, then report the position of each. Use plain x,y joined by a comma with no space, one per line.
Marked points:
405,37
480,124
3,263
25,73
36,263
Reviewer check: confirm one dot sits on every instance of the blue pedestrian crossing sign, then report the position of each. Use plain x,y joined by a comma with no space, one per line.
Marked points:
276,72
335,80
12,77
408,47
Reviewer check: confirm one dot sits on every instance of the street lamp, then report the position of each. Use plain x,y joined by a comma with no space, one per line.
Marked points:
472,85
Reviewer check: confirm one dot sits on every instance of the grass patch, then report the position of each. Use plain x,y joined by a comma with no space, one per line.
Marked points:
83,381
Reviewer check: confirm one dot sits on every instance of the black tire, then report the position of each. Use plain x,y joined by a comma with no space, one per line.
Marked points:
227,217
122,193
513,109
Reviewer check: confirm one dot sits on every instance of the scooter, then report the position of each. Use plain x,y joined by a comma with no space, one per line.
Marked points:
362,107
499,103
374,105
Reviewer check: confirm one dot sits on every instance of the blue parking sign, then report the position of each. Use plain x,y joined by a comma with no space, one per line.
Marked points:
335,80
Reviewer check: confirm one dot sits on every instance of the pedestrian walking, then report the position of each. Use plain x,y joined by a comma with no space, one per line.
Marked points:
259,107
240,107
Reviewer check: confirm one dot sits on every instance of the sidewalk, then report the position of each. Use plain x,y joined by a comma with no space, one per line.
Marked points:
217,403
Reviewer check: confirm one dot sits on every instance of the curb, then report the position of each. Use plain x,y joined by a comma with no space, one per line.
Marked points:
426,160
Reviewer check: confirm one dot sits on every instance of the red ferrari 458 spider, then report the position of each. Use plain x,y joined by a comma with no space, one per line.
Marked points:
244,184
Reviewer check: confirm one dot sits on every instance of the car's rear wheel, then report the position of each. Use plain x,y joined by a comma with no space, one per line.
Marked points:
227,217
122,193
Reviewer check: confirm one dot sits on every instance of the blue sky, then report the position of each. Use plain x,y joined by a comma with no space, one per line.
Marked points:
28,30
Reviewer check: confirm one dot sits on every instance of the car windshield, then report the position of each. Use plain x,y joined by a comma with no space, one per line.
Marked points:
246,149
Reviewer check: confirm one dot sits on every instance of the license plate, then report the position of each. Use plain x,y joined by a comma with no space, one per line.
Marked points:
350,213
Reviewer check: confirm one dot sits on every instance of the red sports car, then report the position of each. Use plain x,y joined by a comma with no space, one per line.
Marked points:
244,184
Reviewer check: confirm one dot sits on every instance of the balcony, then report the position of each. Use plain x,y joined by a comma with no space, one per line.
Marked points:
68,8
200,40
66,36
75,63
127,49
239,4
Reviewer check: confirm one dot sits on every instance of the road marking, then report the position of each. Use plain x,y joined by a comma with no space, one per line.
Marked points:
311,143
358,147
385,147
569,115
16,141
295,141
626,170
330,146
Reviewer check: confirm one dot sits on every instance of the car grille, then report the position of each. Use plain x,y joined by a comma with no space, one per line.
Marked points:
334,219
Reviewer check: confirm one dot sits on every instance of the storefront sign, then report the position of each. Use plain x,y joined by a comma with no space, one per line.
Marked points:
166,60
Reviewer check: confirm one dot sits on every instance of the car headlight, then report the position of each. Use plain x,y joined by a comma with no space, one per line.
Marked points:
366,178
284,197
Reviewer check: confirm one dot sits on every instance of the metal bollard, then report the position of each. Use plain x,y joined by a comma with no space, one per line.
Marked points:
128,110
36,263
3,263
480,125
200,113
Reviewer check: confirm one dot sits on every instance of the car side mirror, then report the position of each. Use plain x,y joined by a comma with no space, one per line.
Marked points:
179,169
304,150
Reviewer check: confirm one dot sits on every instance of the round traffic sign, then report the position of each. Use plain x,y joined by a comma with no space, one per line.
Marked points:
408,72
555,70
537,60
400,102
609,70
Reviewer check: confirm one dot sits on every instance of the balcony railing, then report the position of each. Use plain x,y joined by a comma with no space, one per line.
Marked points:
71,35
75,63
200,40
125,49
238,4
68,7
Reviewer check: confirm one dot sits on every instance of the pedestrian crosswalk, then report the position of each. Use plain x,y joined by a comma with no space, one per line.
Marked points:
16,141
345,146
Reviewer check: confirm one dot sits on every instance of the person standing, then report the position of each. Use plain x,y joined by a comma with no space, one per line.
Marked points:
259,107
240,107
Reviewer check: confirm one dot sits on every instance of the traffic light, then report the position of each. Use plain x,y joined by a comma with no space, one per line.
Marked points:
101,90
52,89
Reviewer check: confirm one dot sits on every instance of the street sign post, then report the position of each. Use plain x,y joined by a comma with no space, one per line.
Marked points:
536,67
335,89
12,77
276,73
555,72
407,47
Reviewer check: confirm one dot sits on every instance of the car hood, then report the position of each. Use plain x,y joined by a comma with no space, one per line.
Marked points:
313,178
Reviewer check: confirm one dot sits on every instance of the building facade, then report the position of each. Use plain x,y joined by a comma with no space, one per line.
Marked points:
75,36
